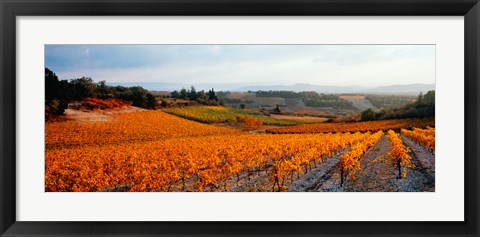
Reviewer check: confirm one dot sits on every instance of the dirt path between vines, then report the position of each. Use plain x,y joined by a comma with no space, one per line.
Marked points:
377,174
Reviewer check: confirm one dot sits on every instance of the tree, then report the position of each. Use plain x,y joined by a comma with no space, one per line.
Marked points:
242,106
151,101
175,94
83,87
277,109
59,93
56,106
429,98
192,94
201,95
419,100
139,96
211,95
56,93
183,94
104,91
51,85
367,115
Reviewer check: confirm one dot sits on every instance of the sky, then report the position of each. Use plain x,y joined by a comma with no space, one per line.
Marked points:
330,65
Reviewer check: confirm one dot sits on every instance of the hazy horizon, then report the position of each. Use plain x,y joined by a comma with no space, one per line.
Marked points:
326,65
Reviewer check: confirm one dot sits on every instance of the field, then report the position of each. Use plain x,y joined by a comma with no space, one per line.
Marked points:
155,151
239,118
289,105
292,104
216,114
352,97
359,101
303,119
127,128
394,124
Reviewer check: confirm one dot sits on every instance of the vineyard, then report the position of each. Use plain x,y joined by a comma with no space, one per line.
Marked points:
425,137
156,151
373,126
216,114
127,128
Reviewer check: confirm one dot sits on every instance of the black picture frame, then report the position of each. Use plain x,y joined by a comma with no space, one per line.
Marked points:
10,9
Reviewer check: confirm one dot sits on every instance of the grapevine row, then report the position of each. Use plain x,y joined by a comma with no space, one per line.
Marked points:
372,126
426,137
399,154
349,162
183,164
302,162
126,128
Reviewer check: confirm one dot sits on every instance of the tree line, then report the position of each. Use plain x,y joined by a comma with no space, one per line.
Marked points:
389,101
193,94
58,93
208,98
423,107
311,98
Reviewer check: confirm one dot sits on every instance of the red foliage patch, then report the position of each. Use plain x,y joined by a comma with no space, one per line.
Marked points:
250,122
104,104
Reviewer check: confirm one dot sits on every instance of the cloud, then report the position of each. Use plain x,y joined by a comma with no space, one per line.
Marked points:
275,64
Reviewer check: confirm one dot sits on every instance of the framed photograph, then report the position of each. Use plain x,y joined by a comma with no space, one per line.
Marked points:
239,118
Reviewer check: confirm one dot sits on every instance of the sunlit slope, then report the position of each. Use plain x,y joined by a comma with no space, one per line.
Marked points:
219,114
127,128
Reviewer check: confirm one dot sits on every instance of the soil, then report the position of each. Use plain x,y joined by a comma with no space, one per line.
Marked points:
97,116
424,156
323,175
378,174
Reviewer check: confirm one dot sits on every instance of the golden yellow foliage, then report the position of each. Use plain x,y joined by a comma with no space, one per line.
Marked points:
426,137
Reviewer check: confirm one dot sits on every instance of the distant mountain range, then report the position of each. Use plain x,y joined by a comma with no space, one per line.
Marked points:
392,89
305,87
409,88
